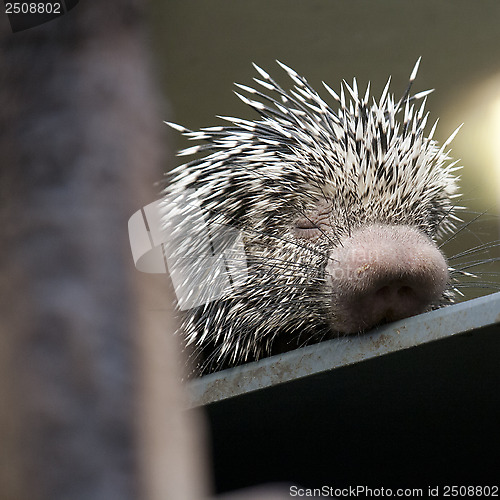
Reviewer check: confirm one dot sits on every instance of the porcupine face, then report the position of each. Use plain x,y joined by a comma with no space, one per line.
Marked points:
338,213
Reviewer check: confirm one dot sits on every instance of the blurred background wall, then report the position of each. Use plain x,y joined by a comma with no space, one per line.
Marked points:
91,405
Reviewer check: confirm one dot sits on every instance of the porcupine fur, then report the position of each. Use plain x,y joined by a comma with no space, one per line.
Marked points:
364,164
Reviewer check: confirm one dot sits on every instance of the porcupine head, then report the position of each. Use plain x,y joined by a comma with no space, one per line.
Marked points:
312,221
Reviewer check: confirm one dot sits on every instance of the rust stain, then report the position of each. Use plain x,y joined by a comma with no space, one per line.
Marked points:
381,341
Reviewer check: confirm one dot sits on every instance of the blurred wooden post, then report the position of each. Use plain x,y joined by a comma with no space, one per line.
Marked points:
89,393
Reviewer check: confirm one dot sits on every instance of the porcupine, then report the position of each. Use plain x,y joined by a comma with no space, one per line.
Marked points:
339,214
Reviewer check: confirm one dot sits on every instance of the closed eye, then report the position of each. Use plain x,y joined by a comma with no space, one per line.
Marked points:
305,224
314,222
305,228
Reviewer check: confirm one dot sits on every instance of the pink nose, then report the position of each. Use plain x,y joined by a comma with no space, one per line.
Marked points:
383,273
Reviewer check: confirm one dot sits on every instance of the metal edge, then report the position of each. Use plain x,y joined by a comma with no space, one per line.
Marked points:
331,354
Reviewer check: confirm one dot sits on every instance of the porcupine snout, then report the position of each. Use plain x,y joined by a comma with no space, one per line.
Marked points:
383,273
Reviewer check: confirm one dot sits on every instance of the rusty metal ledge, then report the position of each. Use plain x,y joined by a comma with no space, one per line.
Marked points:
332,354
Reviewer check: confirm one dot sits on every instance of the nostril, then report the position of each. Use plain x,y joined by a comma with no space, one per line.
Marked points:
393,301
395,290
406,291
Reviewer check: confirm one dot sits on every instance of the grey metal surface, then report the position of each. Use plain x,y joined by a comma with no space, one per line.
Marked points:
332,354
